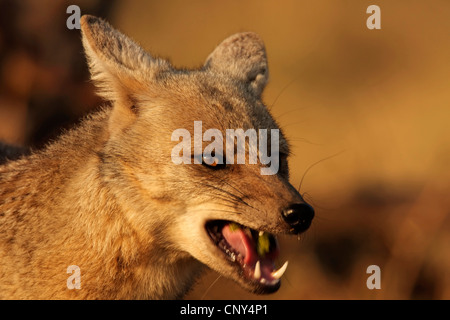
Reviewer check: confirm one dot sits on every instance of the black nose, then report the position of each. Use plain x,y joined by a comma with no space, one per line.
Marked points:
298,216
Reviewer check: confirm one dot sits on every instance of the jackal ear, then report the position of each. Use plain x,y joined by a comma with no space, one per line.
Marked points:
242,56
120,68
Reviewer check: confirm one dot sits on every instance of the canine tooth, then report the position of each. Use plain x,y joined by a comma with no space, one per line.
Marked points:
278,273
257,273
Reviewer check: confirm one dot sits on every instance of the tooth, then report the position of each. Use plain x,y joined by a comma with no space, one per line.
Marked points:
257,273
261,233
277,274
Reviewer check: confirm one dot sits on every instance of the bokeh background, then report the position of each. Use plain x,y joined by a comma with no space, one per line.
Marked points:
367,111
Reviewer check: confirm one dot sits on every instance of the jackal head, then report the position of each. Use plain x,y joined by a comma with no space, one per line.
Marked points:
224,214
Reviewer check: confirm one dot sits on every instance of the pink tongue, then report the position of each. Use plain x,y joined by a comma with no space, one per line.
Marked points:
241,243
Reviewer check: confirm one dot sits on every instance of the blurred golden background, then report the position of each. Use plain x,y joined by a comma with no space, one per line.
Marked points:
371,108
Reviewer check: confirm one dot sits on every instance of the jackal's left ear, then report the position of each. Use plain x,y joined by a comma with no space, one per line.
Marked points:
120,68
242,56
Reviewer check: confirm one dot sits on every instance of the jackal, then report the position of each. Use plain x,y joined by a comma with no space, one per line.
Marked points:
107,197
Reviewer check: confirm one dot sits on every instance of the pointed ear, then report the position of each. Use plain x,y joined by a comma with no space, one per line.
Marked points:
242,56
119,67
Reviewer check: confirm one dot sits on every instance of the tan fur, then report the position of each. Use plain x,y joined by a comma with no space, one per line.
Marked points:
107,197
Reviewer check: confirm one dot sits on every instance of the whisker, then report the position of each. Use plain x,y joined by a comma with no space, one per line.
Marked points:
210,286
220,210
221,194
232,186
230,194
282,91
314,164
304,140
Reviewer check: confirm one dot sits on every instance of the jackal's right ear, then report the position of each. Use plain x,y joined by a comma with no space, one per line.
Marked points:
120,68
243,57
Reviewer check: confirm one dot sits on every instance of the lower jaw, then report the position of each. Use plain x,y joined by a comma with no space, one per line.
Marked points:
267,289
244,274
245,278
257,287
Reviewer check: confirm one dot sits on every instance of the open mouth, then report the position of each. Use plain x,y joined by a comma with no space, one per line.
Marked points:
252,252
